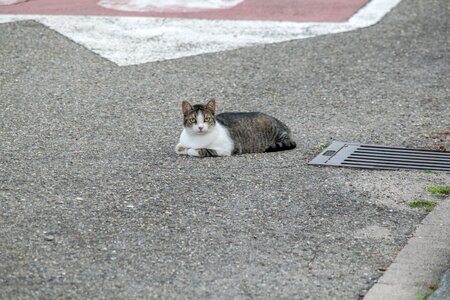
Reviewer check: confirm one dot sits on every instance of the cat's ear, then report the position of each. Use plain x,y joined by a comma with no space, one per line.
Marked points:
211,105
186,107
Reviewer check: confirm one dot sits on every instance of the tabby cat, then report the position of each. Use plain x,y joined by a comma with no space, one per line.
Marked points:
225,134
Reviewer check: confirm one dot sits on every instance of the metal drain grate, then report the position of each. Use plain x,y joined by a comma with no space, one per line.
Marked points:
345,154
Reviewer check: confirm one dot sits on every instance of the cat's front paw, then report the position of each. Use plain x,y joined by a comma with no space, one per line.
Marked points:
181,150
203,152
193,152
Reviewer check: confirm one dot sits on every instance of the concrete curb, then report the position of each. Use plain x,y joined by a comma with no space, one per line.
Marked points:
422,261
443,291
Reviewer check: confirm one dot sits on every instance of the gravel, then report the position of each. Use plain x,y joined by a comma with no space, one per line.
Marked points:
95,204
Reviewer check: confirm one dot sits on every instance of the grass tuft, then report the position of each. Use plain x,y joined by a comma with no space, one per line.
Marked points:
323,146
439,190
428,205
427,171
421,295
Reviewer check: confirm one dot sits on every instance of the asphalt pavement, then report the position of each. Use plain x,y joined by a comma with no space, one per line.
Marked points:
95,203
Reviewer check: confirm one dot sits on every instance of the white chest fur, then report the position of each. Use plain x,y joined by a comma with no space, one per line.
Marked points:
217,138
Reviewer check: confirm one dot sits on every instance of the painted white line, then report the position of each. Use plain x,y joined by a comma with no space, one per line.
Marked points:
372,13
168,5
10,2
135,40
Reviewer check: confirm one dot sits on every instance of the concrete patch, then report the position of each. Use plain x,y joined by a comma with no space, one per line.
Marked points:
396,189
375,232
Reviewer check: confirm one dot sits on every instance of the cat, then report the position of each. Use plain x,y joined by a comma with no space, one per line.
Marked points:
206,134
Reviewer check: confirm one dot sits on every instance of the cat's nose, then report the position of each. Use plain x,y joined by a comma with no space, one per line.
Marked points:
200,127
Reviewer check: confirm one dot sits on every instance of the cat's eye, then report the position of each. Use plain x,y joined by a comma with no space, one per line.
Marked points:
192,120
207,119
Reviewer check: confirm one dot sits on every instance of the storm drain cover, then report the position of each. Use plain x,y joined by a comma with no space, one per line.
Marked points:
355,155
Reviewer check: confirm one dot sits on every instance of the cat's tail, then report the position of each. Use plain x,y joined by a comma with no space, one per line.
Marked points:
284,143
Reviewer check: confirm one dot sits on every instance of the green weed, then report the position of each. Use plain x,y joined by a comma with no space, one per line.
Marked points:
428,205
427,171
439,190
323,146
421,295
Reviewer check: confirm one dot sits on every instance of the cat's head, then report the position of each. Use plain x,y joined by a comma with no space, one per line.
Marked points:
199,118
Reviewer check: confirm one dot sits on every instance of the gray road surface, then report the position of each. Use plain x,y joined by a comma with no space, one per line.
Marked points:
95,204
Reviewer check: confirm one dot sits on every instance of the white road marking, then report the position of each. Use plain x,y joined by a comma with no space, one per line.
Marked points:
10,2
135,40
168,5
